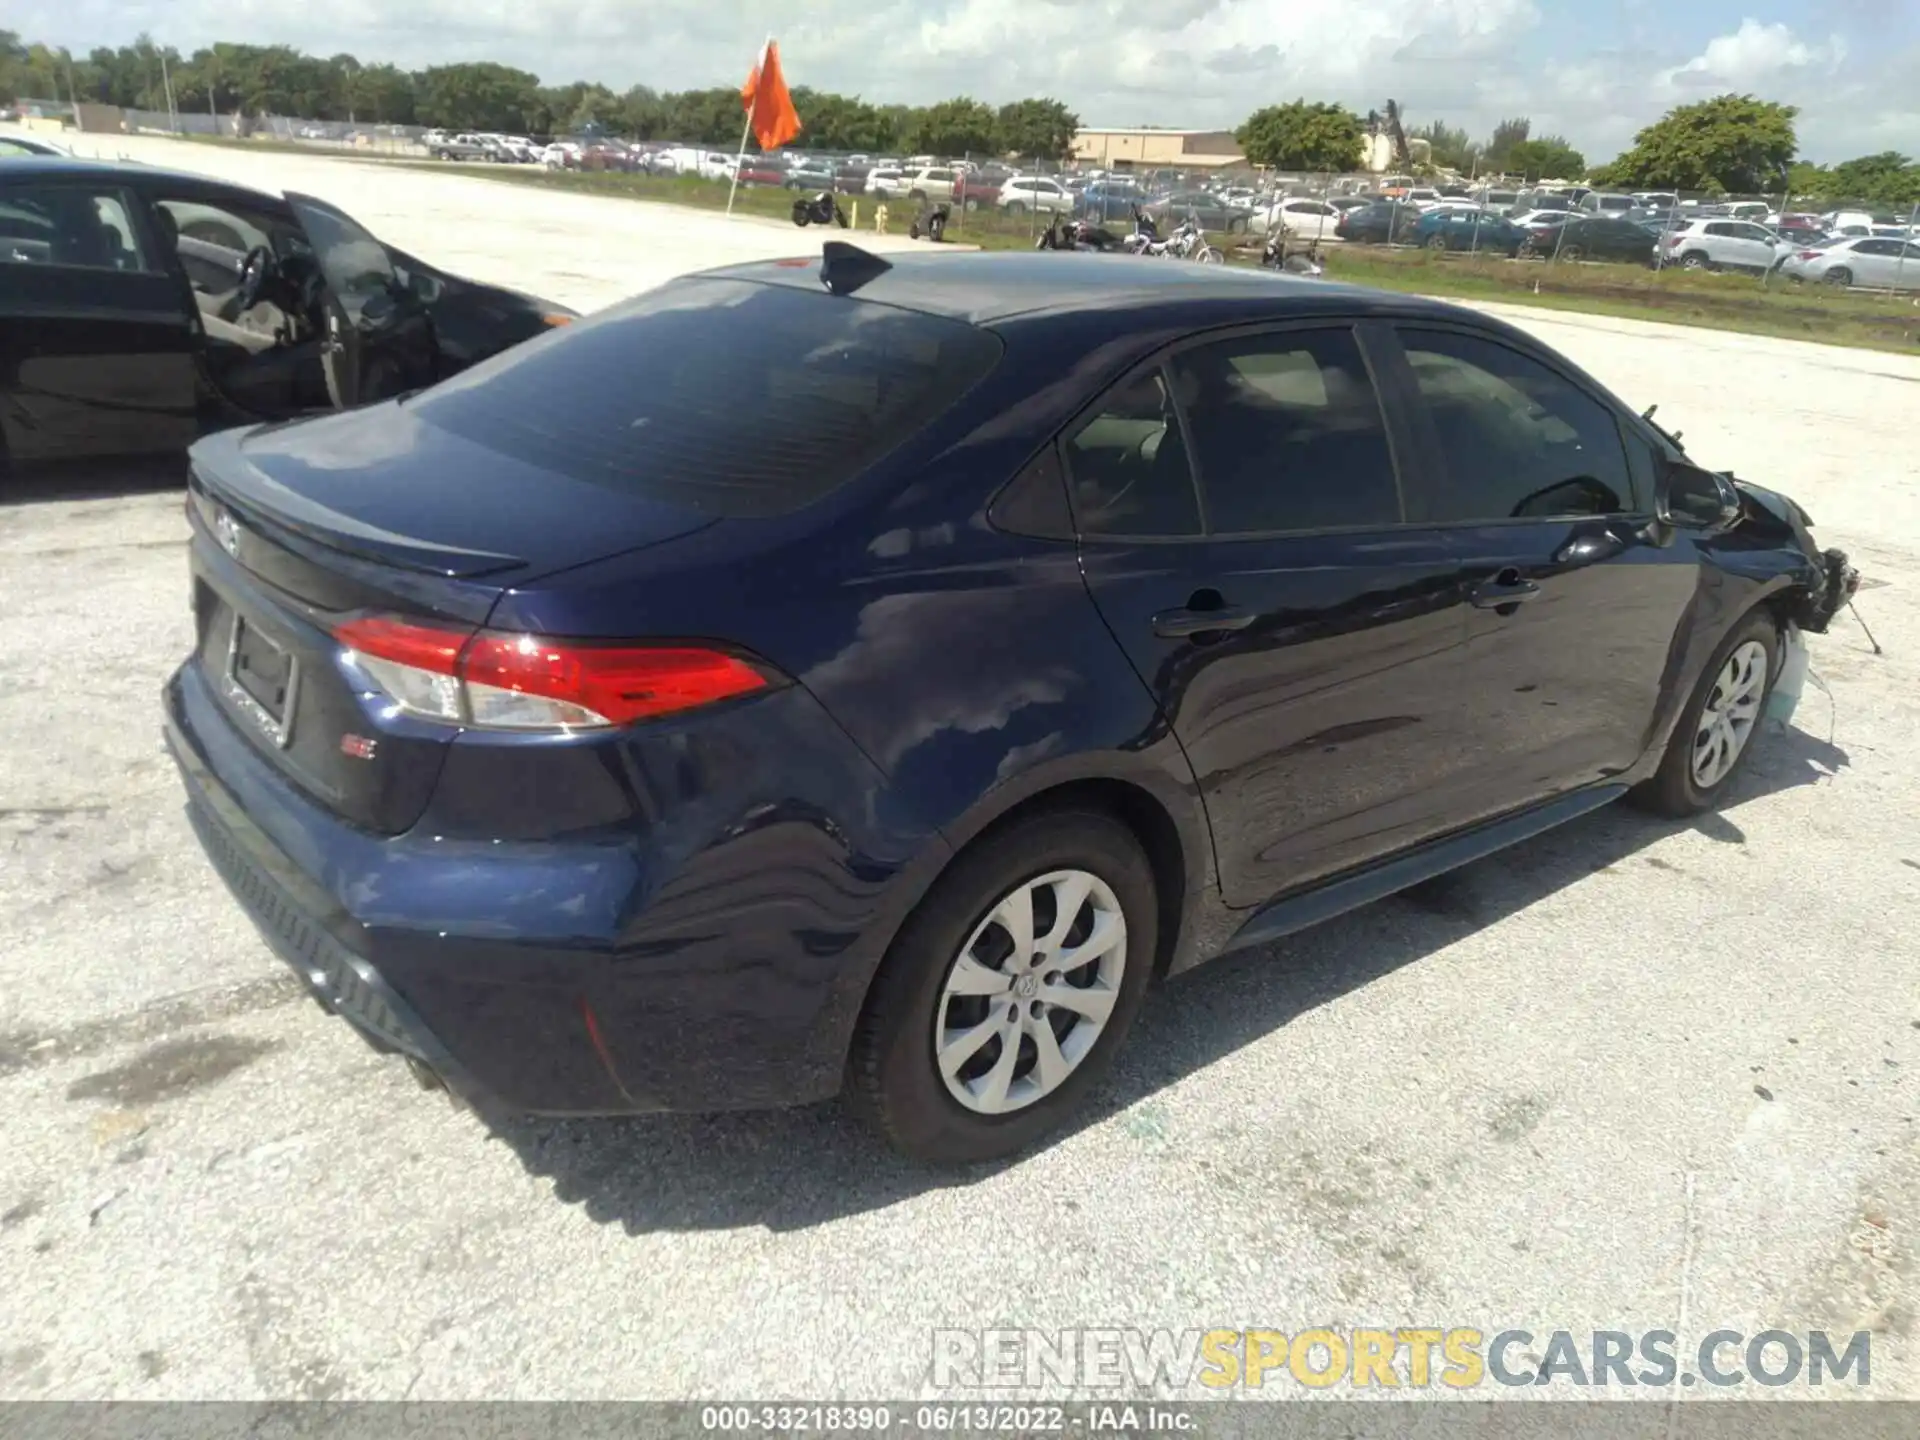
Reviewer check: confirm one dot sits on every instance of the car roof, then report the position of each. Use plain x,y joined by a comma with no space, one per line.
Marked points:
127,171
983,287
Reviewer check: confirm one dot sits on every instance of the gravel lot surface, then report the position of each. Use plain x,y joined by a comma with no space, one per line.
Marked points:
1633,1075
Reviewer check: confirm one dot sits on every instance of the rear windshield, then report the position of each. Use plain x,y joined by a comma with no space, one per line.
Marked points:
728,397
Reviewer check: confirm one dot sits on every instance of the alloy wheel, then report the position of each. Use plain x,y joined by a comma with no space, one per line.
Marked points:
1030,992
1731,711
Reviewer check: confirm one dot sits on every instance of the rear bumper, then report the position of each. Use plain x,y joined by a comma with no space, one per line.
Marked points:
410,939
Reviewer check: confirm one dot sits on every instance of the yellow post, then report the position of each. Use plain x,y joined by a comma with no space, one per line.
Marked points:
880,219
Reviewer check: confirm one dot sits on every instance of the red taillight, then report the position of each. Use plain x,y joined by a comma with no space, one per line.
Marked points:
1808,255
527,682
622,685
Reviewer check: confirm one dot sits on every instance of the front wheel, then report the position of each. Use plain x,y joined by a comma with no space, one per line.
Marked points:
1006,995
1716,731
1210,255
801,215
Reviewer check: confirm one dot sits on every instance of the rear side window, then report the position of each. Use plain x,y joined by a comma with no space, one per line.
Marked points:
1127,466
1517,441
68,225
728,397
1287,433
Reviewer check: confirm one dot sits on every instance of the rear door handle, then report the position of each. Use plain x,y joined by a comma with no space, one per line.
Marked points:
1184,624
1507,588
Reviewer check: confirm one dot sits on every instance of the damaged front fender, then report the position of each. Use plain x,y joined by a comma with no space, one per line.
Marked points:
1832,579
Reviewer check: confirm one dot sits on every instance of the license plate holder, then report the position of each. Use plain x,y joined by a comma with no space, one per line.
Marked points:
262,680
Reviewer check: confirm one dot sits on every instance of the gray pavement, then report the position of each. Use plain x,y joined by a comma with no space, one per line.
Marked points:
1629,1076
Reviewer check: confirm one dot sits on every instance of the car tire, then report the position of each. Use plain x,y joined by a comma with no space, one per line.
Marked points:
1572,253
1839,277
1695,260
1727,688
919,195
1438,242
895,1081
1014,207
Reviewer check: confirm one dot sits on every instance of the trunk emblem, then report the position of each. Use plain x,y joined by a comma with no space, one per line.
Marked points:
226,529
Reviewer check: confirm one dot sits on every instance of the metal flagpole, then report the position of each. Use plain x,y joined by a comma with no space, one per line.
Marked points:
746,129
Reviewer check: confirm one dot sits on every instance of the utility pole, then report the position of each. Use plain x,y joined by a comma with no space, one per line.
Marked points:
166,79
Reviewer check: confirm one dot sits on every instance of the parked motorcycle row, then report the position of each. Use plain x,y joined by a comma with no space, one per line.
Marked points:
1187,242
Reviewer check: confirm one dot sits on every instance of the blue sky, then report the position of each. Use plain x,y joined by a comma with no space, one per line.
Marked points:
1594,72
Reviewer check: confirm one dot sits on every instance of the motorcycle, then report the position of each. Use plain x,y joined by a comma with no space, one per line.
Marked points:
1189,242
1063,234
1145,239
821,209
1276,256
931,222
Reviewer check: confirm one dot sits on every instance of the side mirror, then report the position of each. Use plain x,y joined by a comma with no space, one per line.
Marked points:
1689,498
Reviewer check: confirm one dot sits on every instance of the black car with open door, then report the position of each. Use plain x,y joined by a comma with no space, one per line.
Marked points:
140,309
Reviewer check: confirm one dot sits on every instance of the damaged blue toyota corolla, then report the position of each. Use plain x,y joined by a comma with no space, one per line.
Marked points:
870,674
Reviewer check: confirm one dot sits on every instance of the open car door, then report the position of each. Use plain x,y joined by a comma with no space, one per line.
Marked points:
379,339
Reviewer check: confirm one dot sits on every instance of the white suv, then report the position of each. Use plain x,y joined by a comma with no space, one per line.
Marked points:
932,182
1298,218
1726,245
1021,193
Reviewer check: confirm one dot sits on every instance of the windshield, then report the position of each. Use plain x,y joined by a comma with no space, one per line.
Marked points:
728,397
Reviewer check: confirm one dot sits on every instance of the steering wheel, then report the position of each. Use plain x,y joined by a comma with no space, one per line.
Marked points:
254,273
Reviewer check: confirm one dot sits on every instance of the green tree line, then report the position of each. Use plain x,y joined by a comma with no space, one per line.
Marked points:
260,80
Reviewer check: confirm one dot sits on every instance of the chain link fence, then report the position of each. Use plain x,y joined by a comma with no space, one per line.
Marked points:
996,201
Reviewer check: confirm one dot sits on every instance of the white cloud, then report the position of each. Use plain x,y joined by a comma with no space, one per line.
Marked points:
1757,53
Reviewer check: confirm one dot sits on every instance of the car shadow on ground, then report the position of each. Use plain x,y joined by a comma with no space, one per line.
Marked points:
788,1170
91,481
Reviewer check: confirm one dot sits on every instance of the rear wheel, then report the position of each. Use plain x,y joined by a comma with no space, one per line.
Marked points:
1716,731
1014,207
1006,995
1696,260
1438,242
1840,277
1572,252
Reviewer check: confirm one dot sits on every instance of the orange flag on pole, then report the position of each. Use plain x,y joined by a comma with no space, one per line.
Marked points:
770,112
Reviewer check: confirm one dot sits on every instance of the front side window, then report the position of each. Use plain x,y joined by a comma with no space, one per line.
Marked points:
1516,440
1128,469
1287,434
69,226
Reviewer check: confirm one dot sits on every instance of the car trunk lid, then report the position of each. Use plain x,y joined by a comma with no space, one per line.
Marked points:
299,529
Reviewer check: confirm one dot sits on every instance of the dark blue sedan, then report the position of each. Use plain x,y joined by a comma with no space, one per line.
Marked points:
869,674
